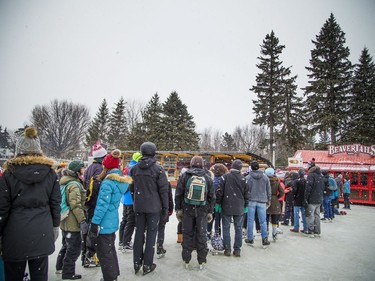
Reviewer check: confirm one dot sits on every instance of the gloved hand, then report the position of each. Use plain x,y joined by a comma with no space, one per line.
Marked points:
164,214
179,215
56,231
84,227
209,217
170,212
218,208
94,230
245,210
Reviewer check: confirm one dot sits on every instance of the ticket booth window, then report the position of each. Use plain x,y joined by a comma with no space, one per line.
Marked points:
354,180
363,179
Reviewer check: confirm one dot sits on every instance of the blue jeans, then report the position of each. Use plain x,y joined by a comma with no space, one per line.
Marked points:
238,221
297,209
327,207
261,209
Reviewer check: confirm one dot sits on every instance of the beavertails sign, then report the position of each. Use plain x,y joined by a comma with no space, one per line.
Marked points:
351,149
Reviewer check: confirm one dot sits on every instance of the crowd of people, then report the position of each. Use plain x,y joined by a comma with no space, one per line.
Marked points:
83,206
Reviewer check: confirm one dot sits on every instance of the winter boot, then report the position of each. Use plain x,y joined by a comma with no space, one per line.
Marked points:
274,232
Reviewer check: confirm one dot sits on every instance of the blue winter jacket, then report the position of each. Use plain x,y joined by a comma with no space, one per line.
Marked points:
127,199
106,212
346,188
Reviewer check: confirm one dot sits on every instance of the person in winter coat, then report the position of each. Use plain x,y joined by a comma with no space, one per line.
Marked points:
29,210
194,211
260,199
327,198
160,251
232,196
73,223
150,197
313,199
92,186
127,224
288,183
274,210
219,170
346,193
299,186
340,185
105,221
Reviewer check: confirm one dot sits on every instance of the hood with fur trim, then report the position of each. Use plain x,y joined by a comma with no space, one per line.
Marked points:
29,168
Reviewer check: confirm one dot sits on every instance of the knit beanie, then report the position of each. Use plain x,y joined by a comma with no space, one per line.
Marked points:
237,164
75,165
136,156
196,161
28,142
112,160
98,151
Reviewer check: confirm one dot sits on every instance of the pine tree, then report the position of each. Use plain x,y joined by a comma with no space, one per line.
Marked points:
150,127
99,126
291,110
228,143
330,81
178,126
118,126
269,86
361,127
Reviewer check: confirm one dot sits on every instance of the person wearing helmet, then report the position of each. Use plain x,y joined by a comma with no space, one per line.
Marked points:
150,197
260,199
274,210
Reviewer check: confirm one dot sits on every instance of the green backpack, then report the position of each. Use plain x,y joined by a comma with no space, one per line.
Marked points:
196,192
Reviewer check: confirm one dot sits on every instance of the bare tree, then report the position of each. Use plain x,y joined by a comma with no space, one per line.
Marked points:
250,138
205,140
62,126
133,113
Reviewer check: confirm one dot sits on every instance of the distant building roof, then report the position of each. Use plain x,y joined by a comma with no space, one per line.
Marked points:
337,162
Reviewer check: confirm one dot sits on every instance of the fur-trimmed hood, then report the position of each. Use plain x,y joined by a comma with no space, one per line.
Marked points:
29,168
119,178
28,160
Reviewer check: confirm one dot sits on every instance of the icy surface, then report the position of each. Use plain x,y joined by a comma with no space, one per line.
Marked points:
345,251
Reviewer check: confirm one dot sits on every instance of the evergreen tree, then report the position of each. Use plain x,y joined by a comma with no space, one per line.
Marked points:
291,110
99,126
330,81
150,128
178,126
228,143
270,84
118,126
361,127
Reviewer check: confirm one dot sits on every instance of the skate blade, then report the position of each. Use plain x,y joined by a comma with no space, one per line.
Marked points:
201,266
187,266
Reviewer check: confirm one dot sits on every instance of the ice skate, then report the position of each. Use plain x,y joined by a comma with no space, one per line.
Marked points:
186,264
127,249
148,268
160,251
202,265
249,242
274,237
265,243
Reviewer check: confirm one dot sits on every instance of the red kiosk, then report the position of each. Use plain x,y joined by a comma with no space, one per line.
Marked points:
354,161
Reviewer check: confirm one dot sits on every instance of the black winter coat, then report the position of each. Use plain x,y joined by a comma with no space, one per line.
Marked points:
326,190
181,191
299,186
29,208
233,193
150,186
314,186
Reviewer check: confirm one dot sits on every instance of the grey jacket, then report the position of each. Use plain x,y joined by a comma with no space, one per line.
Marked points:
259,187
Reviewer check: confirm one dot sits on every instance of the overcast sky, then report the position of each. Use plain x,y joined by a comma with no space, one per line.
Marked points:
205,50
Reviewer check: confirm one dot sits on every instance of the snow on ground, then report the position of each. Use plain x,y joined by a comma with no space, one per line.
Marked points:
345,251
